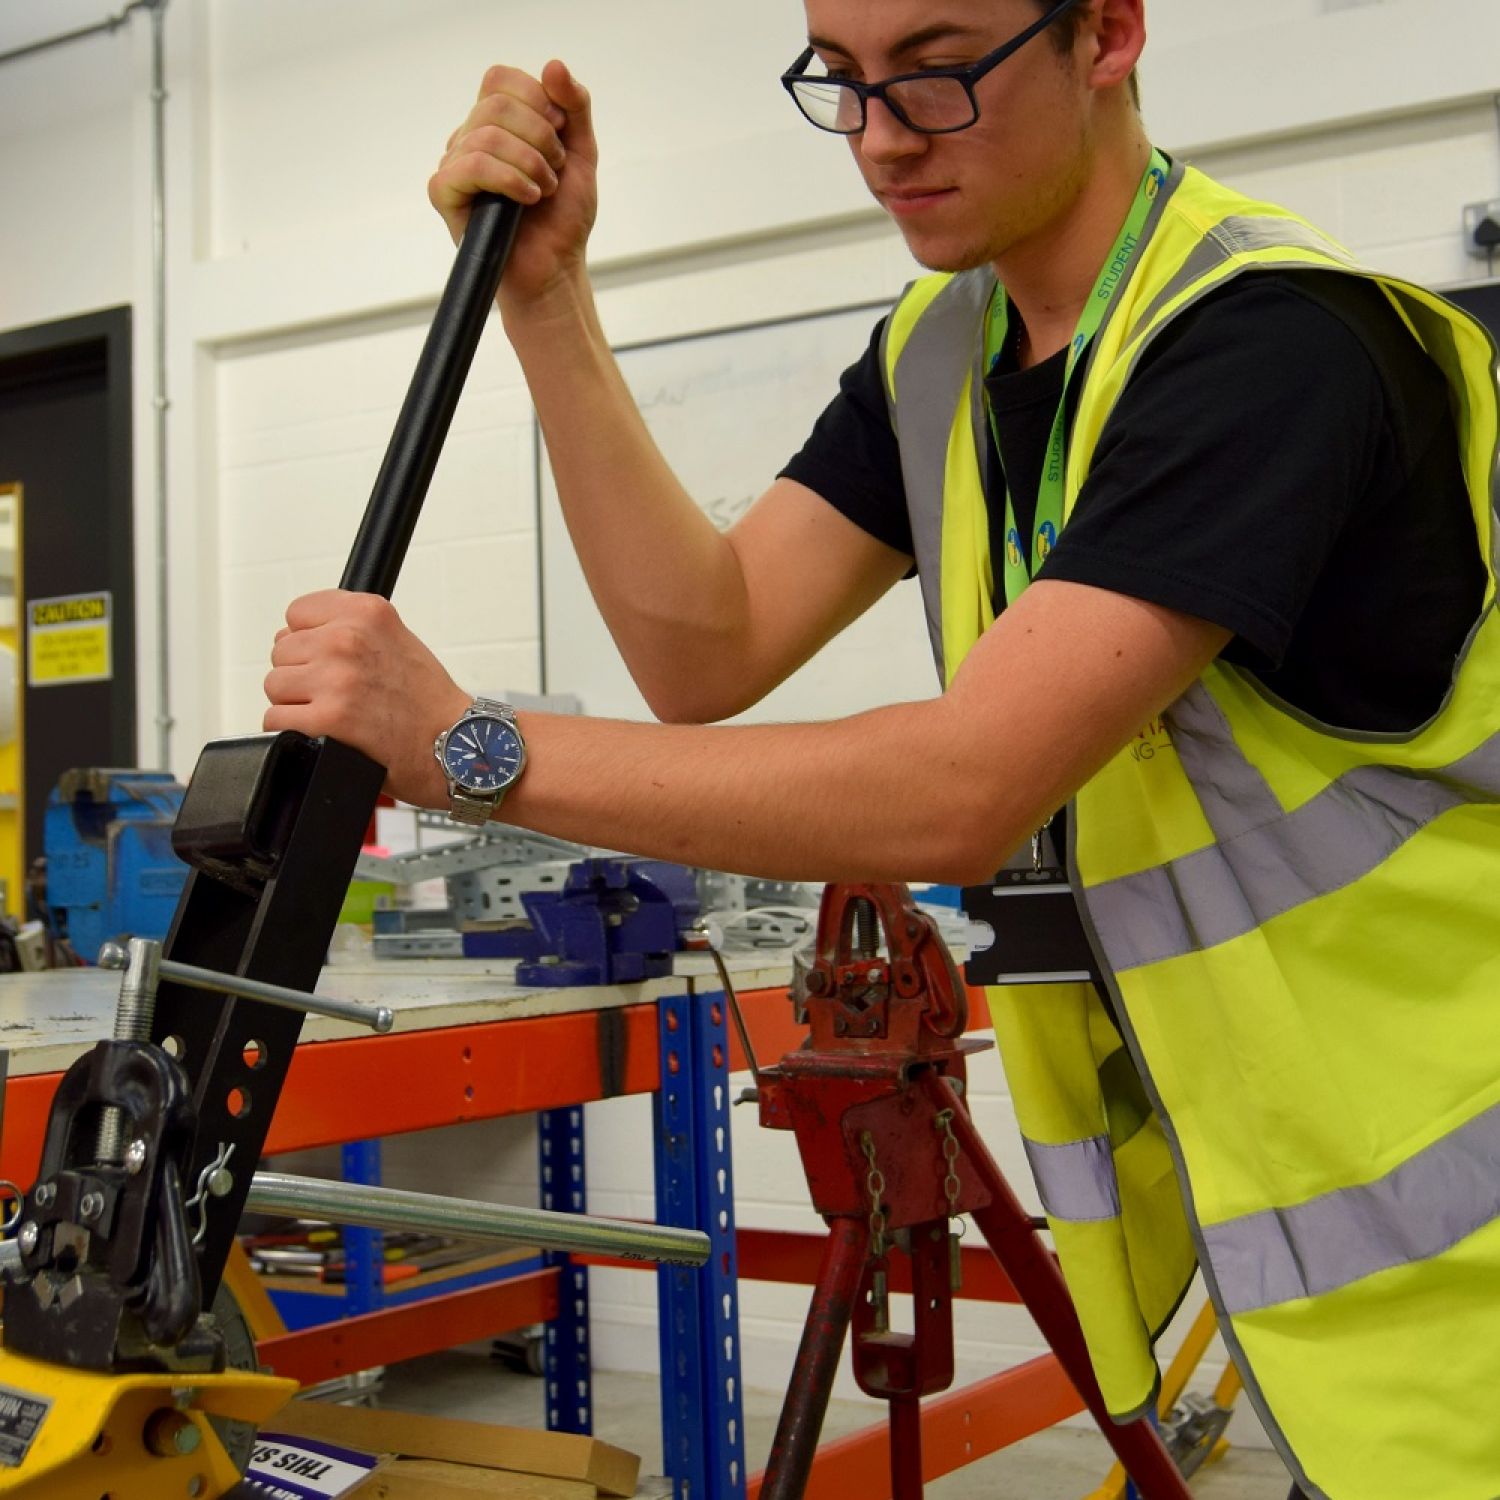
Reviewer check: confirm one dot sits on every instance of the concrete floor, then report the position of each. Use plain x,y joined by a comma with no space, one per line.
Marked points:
1060,1464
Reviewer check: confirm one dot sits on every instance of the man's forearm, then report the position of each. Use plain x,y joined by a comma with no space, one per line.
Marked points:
666,581
936,790
875,797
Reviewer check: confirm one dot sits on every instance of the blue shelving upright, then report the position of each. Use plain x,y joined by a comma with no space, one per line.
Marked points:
703,1429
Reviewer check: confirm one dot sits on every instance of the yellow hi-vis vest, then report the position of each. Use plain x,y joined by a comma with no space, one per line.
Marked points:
1300,927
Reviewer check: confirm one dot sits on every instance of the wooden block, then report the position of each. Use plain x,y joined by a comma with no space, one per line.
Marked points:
555,1455
425,1479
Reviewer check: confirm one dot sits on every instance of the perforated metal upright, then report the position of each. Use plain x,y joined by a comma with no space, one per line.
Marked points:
565,1347
703,1440
364,1249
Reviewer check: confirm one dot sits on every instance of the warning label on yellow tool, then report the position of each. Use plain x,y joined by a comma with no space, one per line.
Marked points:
21,1418
68,639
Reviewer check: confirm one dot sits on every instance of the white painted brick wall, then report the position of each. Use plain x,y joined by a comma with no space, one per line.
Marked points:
303,427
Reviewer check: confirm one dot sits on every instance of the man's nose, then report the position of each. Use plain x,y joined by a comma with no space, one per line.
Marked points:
885,138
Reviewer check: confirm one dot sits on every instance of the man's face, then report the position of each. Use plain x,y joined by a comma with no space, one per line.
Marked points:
963,199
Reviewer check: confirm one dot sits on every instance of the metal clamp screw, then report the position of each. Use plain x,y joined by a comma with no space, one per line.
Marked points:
28,1237
91,1205
45,1193
135,1157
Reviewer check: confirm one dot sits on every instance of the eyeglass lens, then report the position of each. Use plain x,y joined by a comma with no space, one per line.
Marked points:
937,103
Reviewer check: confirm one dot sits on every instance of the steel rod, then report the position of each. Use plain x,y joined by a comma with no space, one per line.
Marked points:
393,1208
377,1017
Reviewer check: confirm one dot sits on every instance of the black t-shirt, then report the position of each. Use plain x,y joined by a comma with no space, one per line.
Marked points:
1284,463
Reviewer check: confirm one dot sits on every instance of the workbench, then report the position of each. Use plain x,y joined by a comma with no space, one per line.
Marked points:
467,1044
483,1048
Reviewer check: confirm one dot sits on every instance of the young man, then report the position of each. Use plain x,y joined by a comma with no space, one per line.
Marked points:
1191,470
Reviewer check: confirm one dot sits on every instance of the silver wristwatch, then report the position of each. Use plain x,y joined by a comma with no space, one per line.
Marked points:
482,756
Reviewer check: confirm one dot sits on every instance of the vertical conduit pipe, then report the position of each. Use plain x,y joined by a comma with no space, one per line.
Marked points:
159,401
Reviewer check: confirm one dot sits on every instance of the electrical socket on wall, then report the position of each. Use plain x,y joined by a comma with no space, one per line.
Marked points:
1482,228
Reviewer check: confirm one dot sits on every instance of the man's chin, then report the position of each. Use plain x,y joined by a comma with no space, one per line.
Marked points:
953,263
934,254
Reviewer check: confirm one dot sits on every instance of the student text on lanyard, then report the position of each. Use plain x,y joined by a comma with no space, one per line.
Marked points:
1019,568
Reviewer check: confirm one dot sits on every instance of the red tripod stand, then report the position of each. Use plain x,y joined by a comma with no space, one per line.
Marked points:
876,1098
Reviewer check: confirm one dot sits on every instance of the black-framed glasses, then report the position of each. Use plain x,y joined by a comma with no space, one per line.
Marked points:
934,102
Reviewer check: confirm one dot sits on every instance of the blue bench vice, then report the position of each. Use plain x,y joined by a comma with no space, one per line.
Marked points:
615,921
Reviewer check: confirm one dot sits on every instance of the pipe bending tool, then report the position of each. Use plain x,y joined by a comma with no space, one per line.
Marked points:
126,1370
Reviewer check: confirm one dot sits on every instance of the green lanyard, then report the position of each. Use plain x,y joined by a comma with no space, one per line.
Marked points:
1050,490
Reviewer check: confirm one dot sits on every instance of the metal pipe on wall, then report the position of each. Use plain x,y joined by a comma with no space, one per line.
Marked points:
159,400
109,23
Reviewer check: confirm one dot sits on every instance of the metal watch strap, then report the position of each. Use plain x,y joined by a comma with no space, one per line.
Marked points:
464,807
473,811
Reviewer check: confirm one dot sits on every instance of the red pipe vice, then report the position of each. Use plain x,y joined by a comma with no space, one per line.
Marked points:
876,1099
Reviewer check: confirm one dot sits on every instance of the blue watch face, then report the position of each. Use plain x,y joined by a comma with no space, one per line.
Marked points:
483,754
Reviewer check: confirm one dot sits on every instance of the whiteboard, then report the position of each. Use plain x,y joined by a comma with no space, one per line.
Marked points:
728,409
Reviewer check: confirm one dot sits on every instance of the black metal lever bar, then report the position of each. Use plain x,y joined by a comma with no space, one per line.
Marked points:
401,485
310,802
271,826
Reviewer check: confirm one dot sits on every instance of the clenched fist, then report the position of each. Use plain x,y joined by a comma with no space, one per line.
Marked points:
530,139
346,666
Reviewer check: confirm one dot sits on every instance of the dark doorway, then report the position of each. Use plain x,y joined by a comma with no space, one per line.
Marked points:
65,438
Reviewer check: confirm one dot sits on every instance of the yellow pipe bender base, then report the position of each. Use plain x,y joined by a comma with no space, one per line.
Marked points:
123,1436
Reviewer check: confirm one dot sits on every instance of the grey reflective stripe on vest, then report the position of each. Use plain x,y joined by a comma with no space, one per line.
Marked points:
1238,235
947,341
1420,1209
1234,795
945,346
1261,868
1077,1180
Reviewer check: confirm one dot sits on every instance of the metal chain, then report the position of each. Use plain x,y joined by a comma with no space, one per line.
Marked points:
943,1121
879,1290
875,1186
951,1185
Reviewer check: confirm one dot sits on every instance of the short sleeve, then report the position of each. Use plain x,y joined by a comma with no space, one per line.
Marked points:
851,457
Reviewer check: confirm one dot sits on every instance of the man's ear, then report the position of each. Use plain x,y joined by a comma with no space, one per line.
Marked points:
1114,31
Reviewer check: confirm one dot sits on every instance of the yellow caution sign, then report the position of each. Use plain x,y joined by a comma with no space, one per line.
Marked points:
69,639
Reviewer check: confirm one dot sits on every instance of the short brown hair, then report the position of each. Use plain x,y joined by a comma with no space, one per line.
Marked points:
1064,32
